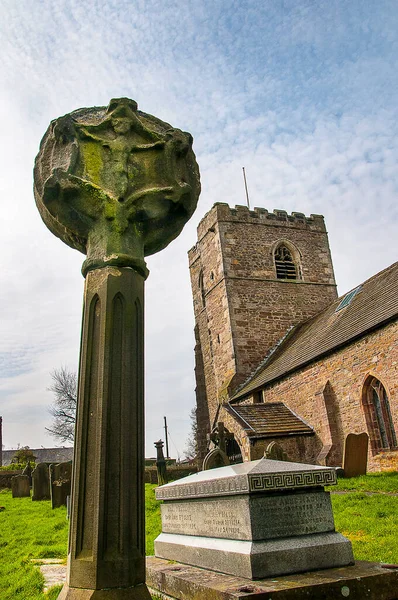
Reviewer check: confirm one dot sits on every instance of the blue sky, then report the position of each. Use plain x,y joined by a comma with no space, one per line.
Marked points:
302,93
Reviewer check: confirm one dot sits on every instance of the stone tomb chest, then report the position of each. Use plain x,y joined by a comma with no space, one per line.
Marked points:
257,519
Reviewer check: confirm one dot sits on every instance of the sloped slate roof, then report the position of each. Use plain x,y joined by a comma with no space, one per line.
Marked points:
375,304
268,420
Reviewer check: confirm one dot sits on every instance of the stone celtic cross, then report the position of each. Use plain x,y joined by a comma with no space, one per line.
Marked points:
118,185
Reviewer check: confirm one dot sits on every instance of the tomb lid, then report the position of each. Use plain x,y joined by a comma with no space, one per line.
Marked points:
257,476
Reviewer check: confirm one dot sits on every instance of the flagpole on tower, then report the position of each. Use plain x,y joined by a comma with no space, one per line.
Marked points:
247,193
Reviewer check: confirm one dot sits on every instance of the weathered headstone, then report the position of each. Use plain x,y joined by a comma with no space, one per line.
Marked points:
60,483
257,519
28,471
41,482
20,486
116,184
355,454
160,463
217,456
214,459
275,452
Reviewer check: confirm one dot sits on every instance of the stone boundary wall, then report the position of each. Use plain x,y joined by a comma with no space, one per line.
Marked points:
48,455
172,472
5,479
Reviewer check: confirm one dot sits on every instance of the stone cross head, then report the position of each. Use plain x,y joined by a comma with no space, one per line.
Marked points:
115,183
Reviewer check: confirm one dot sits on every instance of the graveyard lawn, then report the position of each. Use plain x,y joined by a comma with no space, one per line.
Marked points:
366,511
385,482
30,530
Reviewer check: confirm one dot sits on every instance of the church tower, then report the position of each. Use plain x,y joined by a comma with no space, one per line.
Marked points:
254,274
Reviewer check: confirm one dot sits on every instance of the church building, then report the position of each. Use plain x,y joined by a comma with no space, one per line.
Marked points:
279,357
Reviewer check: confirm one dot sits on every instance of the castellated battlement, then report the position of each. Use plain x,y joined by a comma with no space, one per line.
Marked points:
221,212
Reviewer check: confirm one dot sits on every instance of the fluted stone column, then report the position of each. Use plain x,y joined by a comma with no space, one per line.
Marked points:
117,184
107,535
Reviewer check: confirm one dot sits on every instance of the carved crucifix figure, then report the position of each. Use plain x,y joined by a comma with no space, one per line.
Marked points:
116,184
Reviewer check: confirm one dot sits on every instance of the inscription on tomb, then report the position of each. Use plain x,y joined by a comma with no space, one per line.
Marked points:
255,518
207,518
295,514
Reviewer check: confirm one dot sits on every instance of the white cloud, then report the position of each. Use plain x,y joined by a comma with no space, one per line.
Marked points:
302,95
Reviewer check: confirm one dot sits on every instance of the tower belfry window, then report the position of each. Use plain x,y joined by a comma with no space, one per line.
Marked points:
284,263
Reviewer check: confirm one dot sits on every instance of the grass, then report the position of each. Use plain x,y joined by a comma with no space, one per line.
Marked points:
152,517
28,530
368,515
33,530
386,482
370,522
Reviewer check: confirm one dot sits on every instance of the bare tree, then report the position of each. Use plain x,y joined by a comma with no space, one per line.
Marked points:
191,449
63,410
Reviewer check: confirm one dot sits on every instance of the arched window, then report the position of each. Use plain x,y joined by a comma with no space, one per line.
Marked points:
285,265
378,416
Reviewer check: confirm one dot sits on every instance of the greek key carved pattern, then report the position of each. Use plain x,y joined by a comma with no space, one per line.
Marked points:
274,481
250,483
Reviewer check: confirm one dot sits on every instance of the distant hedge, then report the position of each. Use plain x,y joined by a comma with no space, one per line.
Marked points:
5,478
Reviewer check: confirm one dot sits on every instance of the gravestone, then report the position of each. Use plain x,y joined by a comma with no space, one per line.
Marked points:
219,437
256,519
160,463
118,185
20,486
28,471
275,452
217,457
214,459
41,482
60,483
355,454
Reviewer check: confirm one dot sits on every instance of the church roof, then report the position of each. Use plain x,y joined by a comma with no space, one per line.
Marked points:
348,318
269,420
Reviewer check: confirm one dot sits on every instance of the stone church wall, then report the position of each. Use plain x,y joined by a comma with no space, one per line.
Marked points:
327,394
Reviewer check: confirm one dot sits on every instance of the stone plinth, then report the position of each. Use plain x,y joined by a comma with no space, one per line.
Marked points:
361,581
257,519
